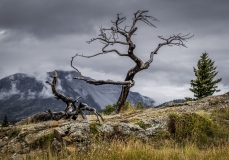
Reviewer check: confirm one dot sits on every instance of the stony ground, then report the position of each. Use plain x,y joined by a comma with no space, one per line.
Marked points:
204,105
77,135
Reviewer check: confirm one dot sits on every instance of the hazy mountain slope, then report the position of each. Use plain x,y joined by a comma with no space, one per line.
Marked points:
22,95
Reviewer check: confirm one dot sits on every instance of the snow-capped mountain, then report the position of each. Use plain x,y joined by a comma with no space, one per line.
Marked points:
22,95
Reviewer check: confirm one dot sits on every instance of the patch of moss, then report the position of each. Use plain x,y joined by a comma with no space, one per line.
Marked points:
13,132
93,128
142,125
44,142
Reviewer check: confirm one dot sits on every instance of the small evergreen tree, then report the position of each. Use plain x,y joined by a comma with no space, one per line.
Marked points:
204,85
109,109
5,122
139,105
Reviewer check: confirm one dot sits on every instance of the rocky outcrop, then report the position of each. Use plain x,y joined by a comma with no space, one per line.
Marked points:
77,136
72,136
141,129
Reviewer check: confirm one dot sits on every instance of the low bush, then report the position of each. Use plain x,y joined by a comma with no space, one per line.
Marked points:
44,142
139,105
126,108
109,109
94,129
13,132
196,129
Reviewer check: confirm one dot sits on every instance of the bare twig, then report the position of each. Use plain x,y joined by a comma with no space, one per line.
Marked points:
73,66
175,40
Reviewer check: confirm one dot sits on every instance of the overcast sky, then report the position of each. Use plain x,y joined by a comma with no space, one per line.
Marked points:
41,36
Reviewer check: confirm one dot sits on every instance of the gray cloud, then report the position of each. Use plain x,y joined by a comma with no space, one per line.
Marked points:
12,91
45,19
41,36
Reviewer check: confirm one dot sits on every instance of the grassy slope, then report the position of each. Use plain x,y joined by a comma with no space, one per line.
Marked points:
203,135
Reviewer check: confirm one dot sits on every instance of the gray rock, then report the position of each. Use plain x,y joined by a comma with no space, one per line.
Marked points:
31,138
73,134
16,156
56,145
2,142
122,129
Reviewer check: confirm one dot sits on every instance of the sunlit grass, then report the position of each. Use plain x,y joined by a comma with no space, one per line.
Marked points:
138,150
191,136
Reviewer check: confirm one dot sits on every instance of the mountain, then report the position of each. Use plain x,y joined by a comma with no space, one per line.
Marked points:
175,101
22,95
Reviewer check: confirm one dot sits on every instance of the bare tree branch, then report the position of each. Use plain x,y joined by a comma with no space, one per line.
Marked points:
142,16
98,82
74,67
101,82
68,100
177,40
110,36
56,94
77,99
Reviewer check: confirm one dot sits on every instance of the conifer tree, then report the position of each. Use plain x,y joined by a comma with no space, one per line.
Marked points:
5,122
204,85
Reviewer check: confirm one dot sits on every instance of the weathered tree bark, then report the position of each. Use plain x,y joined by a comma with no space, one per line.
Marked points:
114,32
71,111
70,103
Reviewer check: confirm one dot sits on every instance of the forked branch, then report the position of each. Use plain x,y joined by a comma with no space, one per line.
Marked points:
110,36
68,100
142,16
98,82
175,40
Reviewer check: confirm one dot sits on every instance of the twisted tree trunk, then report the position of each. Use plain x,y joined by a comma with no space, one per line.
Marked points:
127,32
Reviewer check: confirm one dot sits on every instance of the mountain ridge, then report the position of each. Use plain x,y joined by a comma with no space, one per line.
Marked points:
22,95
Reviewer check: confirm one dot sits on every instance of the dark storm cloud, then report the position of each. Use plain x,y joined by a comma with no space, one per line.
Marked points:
45,18
41,36
55,17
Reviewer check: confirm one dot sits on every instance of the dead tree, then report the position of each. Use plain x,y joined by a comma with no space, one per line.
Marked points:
70,103
110,36
84,106
71,111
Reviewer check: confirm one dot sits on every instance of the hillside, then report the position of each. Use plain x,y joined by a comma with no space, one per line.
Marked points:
23,95
25,137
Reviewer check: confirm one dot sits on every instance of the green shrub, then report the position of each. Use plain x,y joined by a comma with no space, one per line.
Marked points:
44,142
13,132
195,128
221,114
127,106
139,105
93,128
142,125
109,109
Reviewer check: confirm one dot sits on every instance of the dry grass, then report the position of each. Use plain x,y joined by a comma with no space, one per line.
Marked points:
163,147
137,150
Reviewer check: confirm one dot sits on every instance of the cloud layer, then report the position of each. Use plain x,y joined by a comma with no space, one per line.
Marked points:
41,36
